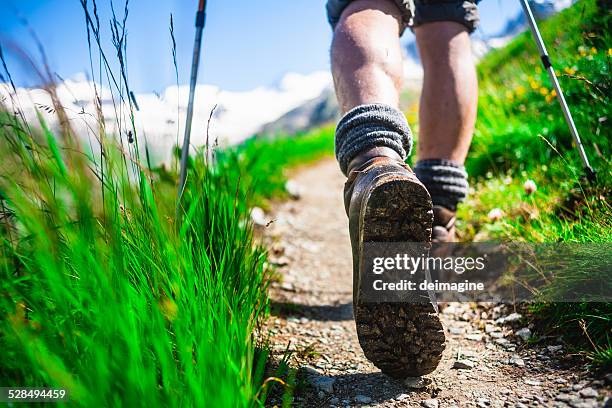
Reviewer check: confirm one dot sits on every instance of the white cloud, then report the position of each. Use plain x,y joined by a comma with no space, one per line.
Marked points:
238,115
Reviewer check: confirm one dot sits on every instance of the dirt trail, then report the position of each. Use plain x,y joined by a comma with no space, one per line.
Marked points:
312,311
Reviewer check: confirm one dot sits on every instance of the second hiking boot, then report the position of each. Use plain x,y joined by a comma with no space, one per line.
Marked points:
385,202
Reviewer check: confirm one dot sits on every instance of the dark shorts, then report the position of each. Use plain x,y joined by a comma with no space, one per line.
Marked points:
418,12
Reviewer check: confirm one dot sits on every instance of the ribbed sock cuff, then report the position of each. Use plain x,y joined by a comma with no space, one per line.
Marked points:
368,126
445,180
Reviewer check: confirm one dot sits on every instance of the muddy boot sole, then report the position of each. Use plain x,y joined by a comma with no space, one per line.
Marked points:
401,339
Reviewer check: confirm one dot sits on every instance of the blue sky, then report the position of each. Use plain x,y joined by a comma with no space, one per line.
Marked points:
246,43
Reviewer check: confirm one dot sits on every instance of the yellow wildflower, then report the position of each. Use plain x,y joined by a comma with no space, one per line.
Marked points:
582,51
509,95
549,98
520,90
569,71
610,51
593,50
553,93
543,91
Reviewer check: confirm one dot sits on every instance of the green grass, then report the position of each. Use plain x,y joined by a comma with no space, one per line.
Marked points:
521,135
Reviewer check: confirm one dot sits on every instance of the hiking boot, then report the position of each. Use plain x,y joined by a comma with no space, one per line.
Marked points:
443,225
385,202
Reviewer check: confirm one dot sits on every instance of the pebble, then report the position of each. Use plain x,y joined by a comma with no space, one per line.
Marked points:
474,337
589,393
362,399
430,403
554,349
456,330
513,318
517,361
524,333
293,189
520,405
401,397
417,383
325,384
563,397
258,216
535,383
464,364
483,402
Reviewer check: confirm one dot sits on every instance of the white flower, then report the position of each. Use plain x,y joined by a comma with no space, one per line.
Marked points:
530,187
495,214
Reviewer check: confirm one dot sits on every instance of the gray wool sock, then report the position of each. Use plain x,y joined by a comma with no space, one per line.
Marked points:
445,180
368,126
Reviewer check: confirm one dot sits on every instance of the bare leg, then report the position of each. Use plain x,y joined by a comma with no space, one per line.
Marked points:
450,91
366,54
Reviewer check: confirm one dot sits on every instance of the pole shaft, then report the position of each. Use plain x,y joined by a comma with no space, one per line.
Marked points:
195,63
553,77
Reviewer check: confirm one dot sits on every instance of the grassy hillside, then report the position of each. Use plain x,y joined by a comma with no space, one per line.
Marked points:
521,136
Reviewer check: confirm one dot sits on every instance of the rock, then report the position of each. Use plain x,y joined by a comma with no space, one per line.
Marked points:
474,336
490,328
483,402
520,405
456,330
362,399
517,361
293,189
401,397
464,364
288,286
563,397
554,349
417,383
430,403
258,216
513,318
323,383
524,333
589,393
532,382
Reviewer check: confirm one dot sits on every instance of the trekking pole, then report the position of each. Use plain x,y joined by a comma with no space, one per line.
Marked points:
551,73
200,19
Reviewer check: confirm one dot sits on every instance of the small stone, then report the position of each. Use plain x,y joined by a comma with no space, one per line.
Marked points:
517,361
293,189
258,216
563,397
362,399
401,397
464,364
520,405
524,333
417,383
288,286
513,318
561,380
554,349
430,403
532,382
490,328
483,402
496,335
589,393
474,336
456,330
